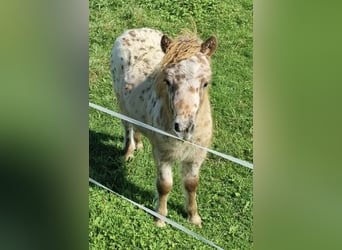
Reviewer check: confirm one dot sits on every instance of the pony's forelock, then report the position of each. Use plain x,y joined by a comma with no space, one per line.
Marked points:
183,47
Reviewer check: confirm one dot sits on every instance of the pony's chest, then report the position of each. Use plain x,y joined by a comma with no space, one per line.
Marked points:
174,150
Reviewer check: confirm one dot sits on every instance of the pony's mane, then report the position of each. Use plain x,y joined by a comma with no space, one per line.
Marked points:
183,47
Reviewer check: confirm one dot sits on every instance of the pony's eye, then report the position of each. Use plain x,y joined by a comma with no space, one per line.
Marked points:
205,84
167,82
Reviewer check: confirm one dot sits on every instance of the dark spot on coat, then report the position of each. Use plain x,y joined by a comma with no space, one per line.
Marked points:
175,87
132,33
129,86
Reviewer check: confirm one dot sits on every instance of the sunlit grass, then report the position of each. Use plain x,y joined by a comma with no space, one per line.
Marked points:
225,192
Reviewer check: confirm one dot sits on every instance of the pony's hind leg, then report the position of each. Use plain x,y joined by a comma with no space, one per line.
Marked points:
190,174
137,139
129,143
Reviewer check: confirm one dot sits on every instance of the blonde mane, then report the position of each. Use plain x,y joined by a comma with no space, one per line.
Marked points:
183,47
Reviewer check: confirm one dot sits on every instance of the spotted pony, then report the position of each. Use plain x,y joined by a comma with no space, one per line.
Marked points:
164,82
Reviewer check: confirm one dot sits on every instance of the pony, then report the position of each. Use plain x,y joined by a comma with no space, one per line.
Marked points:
164,82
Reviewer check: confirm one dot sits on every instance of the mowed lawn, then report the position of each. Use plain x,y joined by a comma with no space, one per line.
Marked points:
225,199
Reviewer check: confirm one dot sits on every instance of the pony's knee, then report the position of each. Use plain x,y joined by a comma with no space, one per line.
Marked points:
164,186
190,173
191,183
164,180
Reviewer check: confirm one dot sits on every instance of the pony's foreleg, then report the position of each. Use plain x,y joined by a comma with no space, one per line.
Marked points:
164,186
129,143
190,174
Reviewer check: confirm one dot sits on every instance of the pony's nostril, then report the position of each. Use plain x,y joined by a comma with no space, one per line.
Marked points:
191,128
177,129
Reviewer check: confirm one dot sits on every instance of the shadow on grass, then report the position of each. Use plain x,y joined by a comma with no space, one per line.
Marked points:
107,166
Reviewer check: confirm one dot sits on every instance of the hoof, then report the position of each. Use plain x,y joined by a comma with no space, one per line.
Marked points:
129,157
196,220
129,151
160,223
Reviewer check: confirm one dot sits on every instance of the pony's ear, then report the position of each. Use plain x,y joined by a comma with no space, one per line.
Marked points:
165,42
209,46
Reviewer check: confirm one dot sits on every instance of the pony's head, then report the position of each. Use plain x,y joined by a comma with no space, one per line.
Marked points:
186,72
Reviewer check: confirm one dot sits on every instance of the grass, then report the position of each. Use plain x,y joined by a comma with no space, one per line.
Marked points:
225,192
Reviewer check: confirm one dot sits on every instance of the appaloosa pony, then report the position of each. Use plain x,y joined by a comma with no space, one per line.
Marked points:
164,83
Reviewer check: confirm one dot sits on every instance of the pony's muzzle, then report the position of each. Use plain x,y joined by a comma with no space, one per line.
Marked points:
184,132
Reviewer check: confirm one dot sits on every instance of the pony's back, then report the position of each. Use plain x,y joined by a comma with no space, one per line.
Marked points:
135,56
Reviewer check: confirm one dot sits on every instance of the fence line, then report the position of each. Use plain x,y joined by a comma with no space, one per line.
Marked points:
144,125
171,222
153,213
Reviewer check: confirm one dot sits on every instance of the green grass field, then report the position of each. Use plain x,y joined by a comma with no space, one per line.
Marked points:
225,191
